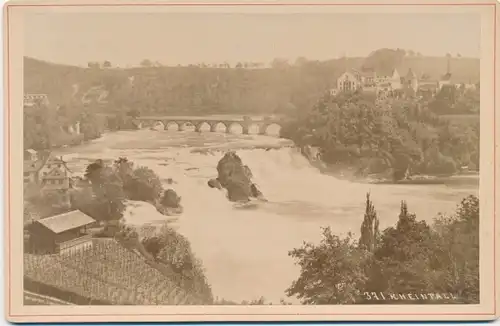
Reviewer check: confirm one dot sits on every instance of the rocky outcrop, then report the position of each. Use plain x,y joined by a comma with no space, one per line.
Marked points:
170,203
236,178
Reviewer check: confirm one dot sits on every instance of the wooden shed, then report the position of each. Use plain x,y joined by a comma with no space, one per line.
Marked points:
60,233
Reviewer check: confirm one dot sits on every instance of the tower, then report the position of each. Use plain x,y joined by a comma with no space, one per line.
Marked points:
448,64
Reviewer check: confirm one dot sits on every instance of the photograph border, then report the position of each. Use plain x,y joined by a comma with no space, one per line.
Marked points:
436,312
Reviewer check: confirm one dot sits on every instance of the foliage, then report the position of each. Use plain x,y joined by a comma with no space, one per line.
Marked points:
384,60
112,185
46,204
203,89
397,136
144,184
411,257
174,250
107,200
369,228
404,256
332,272
45,126
458,236
170,199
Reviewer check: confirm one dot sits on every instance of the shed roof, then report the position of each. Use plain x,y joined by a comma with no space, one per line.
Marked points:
66,221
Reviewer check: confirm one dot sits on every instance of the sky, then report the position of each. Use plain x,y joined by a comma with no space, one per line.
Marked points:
126,39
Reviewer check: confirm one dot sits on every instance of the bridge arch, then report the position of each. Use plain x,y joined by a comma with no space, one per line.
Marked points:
156,124
235,127
202,126
186,125
218,125
270,129
169,124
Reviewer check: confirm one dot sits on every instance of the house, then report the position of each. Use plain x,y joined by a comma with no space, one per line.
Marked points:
411,80
60,233
427,89
383,83
30,155
445,80
31,100
31,166
49,173
349,82
388,77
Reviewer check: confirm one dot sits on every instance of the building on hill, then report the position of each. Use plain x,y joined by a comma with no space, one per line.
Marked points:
31,100
383,83
55,174
349,82
46,173
31,166
388,77
427,89
445,80
30,155
411,80
60,233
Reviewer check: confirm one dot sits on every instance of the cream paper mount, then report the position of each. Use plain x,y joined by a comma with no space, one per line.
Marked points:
250,161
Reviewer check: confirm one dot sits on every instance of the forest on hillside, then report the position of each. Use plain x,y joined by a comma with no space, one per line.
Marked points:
215,89
390,140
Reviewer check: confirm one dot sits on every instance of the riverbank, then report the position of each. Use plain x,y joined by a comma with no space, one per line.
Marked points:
350,173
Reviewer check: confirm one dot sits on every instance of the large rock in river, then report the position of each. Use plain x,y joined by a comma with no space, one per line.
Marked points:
236,178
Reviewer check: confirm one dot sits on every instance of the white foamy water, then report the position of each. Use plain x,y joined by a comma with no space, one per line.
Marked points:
245,252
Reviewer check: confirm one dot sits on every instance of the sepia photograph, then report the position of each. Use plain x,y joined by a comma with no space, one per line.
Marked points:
245,159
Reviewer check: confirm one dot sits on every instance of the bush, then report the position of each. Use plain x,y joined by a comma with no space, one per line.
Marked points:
174,250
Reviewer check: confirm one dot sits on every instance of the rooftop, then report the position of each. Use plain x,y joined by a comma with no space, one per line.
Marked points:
30,166
66,221
446,77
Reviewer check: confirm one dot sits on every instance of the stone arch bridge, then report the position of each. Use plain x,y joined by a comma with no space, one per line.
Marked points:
246,123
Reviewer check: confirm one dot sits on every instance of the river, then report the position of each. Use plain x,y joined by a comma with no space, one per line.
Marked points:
245,252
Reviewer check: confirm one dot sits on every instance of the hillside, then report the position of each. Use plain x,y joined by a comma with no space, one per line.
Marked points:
196,90
106,274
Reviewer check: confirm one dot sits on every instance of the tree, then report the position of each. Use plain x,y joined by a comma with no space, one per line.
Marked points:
404,256
144,185
369,228
108,196
301,61
332,272
124,169
106,64
170,199
93,172
134,113
146,63
279,63
457,253
94,65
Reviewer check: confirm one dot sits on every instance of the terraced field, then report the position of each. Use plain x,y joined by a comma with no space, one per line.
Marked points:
106,273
